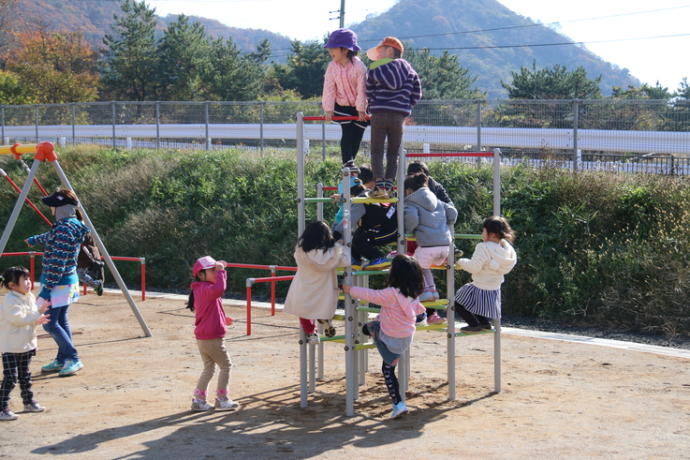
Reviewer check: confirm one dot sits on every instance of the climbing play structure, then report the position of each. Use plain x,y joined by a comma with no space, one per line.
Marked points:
356,345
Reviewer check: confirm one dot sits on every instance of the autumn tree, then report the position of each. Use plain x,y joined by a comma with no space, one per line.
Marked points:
12,90
55,68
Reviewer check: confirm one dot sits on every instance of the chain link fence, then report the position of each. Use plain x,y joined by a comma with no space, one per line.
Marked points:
647,136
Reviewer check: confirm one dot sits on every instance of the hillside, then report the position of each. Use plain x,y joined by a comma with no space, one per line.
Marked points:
437,24
94,18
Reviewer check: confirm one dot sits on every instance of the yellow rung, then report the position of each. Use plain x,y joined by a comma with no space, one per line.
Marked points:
362,200
21,148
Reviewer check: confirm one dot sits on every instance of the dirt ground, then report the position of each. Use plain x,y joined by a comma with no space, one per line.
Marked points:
132,398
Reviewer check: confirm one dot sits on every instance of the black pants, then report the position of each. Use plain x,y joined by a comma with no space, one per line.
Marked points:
391,382
15,368
353,131
470,318
365,244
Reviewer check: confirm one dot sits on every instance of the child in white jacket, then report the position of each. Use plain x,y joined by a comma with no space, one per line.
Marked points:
480,300
19,316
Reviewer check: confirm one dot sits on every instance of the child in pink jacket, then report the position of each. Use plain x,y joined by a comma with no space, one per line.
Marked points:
206,301
395,327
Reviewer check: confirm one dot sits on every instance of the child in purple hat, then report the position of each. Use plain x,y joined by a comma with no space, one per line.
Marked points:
344,92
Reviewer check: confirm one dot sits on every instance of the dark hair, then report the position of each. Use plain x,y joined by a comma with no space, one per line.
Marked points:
350,54
317,235
417,167
366,174
499,226
12,275
190,299
73,196
397,53
406,275
416,181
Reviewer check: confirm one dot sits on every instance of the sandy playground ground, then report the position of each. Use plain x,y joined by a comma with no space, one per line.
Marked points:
559,400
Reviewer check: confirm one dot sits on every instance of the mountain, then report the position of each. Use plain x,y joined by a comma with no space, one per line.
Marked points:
448,24
95,18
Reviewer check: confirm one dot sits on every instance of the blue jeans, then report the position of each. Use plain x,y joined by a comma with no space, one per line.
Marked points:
59,330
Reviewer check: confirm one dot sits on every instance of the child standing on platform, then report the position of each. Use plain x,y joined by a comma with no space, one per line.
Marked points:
206,301
313,292
393,330
393,88
480,300
19,317
344,92
431,221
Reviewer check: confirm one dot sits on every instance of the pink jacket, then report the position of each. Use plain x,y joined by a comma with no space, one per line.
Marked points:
345,85
208,307
398,313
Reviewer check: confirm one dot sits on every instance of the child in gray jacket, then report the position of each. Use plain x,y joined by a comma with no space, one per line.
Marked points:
431,220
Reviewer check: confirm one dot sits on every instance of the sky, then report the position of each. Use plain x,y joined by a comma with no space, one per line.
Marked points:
619,31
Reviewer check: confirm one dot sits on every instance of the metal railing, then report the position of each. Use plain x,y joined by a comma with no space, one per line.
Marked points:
608,134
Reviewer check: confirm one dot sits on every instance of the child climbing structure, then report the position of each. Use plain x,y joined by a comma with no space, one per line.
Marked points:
45,152
356,345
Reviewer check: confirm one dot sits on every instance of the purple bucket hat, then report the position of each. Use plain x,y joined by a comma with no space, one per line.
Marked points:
342,38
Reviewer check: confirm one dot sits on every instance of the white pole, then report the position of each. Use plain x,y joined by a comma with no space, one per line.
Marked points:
299,137
349,304
18,205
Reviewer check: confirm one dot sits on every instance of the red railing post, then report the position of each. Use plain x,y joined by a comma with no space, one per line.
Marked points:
249,305
83,289
32,267
142,270
273,291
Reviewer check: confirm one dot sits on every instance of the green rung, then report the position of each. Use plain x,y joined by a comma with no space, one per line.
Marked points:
335,338
362,200
371,272
433,327
318,200
338,317
440,304
364,346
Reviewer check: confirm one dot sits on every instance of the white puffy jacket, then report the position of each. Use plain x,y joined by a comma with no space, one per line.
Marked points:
489,263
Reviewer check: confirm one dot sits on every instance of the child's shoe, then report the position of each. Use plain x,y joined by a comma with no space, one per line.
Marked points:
70,368
388,185
313,339
53,366
471,329
350,166
7,415
381,263
398,410
427,296
356,264
421,320
328,330
380,190
200,405
437,296
435,319
226,404
33,407
99,288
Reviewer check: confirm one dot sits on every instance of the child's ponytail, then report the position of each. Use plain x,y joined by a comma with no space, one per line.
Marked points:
499,226
190,301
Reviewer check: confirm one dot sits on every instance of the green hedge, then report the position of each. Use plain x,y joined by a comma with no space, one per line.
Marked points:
611,251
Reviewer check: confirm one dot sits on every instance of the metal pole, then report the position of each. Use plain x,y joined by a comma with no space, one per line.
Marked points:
497,182
18,205
342,13
2,123
158,125
404,367
299,138
36,121
350,369
104,252
320,349
497,322
323,141
312,367
261,127
208,141
576,117
74,123
114,110
450,320
479,126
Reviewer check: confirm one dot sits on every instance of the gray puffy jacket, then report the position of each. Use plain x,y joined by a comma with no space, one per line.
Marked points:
430,219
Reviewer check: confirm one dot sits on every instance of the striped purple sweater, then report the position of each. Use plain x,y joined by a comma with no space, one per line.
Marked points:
394,86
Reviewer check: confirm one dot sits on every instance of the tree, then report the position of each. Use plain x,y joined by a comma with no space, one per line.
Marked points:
230,76
7,19
130,61
305,69
12,91
442,77
55,68
645,91
184,58
552,83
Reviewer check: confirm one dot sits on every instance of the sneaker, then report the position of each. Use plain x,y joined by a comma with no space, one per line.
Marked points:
388,185
33,407
486,327
70,368
350,166
471,329
437,296
421,320
435,319
356,264
53,366
7,415
398,410
427,296
99,288
200,405
328,330
226,404
380,190
379,264
313,339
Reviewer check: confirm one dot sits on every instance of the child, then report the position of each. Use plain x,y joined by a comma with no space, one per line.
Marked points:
374,225
344,92
480,300
431,221
59,281
435,187
393,88
205,300
313,293
90,265
395,327
19,316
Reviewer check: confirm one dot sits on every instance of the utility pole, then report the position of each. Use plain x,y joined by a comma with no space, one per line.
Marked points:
342,13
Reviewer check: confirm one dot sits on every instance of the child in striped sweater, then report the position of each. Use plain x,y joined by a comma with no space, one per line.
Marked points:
393,330
393,88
